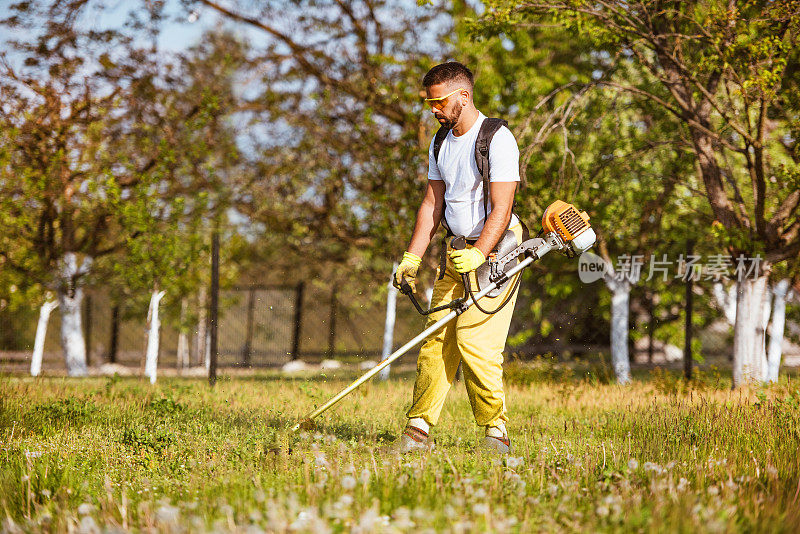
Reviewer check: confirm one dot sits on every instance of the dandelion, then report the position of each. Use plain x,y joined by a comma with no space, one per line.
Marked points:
682,484
480,508
348,482
713,490
365,476
480,494
653,467
167,513
602,510
368,521
514,462
402,518
85,508
88,526
46,493
633,464
772,471
552,489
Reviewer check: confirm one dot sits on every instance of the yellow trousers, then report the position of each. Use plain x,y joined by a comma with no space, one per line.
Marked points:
474,339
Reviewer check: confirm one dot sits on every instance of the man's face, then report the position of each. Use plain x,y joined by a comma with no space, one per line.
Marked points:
448,110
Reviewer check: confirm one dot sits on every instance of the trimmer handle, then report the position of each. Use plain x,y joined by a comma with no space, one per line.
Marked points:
459,242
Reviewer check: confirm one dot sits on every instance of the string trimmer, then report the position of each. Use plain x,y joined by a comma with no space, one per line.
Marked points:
564,229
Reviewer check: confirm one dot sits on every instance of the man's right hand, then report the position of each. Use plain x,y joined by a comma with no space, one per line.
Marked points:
407,270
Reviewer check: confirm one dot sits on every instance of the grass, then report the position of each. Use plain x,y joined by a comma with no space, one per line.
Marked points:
93,454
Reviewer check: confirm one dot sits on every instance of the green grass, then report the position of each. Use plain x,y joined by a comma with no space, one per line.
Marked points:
656,456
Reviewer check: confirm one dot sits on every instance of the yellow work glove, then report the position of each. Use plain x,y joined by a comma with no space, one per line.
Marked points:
407,269
467,259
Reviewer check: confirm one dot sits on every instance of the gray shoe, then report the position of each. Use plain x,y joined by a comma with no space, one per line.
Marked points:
496,445
412,439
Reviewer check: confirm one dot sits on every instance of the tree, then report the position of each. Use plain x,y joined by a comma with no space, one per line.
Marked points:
83,138
338,138
724,72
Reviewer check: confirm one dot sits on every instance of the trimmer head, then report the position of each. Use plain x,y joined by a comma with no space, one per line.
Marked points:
306,424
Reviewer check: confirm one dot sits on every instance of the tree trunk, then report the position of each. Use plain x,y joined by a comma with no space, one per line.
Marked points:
183,338
388,326
151,359
780,292
70,297
620,310
726,300
41,333
201,335
749,357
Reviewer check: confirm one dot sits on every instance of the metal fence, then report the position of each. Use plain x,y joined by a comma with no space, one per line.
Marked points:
259,326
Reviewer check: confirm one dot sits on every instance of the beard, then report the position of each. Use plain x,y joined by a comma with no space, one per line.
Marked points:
451,119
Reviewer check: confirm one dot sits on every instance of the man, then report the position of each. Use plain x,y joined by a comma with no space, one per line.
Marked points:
454,195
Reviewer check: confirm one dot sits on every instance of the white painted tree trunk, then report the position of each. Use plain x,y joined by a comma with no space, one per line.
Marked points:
620,311
388,326
151,360
201,335
183,337
749,356
775,350
726,299
70,298
41,334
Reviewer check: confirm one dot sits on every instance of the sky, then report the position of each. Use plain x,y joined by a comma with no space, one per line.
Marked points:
182,29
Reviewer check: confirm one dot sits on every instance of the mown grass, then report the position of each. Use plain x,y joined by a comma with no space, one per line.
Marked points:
95,454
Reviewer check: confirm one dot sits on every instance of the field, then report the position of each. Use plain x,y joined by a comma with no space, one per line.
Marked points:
111,453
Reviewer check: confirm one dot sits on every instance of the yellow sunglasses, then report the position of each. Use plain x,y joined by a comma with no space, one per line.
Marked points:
438,103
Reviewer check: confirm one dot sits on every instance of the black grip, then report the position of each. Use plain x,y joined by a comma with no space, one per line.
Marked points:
459,242
405,287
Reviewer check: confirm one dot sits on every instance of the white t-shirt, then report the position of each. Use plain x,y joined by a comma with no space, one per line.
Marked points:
463,196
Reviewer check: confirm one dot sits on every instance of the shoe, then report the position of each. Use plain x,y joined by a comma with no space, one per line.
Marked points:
412,439
500,445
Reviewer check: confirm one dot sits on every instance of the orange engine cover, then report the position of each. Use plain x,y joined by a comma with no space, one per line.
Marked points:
565,220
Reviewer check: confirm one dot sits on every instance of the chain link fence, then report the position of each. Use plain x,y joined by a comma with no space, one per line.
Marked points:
259,326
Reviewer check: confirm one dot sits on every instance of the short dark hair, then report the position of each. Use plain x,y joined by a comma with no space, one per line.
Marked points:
448,72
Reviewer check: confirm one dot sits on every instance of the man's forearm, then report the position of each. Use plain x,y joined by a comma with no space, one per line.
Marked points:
493,229
428,219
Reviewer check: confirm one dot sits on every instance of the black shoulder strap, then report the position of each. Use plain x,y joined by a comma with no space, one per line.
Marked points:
485,135
441,133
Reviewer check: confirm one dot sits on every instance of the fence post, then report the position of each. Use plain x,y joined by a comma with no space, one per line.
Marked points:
113,344
332,325
298,320
88,328
388,327
248,341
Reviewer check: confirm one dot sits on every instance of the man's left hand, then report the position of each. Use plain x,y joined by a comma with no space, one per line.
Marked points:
467,260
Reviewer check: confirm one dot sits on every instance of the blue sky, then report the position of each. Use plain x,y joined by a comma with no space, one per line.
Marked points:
181,29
